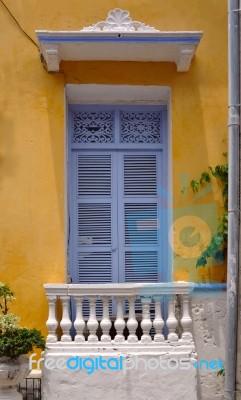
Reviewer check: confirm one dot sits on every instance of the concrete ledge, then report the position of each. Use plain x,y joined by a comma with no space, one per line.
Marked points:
138,380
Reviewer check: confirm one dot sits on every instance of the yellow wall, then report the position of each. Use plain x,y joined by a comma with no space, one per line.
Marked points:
32,184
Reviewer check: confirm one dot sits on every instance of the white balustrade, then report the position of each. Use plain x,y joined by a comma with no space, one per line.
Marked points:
105,322
52,322
119,322
171,320
65,322
92,323
146,323
186,321
79,323
126,319
132,323
158,322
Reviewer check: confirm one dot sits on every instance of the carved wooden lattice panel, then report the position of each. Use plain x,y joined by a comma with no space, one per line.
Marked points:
93,127
140,127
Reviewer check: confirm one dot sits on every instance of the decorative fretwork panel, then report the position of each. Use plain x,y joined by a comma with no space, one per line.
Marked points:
93,127
140,127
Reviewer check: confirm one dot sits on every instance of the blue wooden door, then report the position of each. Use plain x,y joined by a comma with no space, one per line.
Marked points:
139,238
94,217
117,170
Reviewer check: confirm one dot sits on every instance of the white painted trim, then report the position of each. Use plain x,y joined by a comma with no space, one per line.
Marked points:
170,255
66,166
120,289
117,94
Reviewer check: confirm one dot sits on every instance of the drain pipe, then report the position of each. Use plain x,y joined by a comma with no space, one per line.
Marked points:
233,199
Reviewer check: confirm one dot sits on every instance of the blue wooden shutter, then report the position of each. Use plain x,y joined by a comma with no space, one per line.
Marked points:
140,243
94,217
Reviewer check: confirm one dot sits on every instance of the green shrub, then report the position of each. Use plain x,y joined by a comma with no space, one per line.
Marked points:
14,339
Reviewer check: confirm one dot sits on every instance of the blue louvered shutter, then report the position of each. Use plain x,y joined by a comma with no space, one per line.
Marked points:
95,212
140,238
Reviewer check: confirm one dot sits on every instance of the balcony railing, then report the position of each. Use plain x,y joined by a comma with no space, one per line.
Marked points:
144,313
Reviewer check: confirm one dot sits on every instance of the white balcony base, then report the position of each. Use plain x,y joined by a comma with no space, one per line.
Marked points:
137,382
133,348
148,334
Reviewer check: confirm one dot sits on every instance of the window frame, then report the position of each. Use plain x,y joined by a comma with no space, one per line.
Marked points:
141,95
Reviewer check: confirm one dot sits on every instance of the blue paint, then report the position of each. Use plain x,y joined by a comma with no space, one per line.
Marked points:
210,286
123,39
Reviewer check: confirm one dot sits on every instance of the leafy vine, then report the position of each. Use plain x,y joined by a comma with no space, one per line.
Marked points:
217,247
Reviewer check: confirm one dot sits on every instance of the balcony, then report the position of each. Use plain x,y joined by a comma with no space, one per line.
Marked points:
143,324
154,314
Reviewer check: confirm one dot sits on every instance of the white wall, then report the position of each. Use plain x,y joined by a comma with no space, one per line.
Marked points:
209,319
140,383
208,311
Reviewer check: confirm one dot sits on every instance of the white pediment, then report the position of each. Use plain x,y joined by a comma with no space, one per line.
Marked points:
119,38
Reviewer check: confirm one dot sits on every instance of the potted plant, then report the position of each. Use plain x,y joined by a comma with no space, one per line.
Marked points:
15,343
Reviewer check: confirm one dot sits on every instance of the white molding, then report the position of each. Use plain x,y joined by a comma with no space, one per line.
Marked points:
118,39
117,289
119,21
117,94
184,58
51,55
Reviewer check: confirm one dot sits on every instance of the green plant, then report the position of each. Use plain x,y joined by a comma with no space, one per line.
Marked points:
221,372
14,339
217,247
5,295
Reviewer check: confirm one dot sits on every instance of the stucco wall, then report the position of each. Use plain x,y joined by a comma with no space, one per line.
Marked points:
137,375
32,172
209,322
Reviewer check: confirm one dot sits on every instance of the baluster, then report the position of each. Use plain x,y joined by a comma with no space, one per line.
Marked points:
132,323
65,322
146,323
186,320
119,322
79,322
171,320
92,323
158,322
105,323
52,322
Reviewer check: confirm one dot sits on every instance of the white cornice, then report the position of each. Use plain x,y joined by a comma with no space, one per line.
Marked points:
119,21
118,39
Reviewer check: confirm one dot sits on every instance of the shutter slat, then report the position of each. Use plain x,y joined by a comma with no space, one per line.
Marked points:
94,175
140,175
140,223
94,221
141,266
